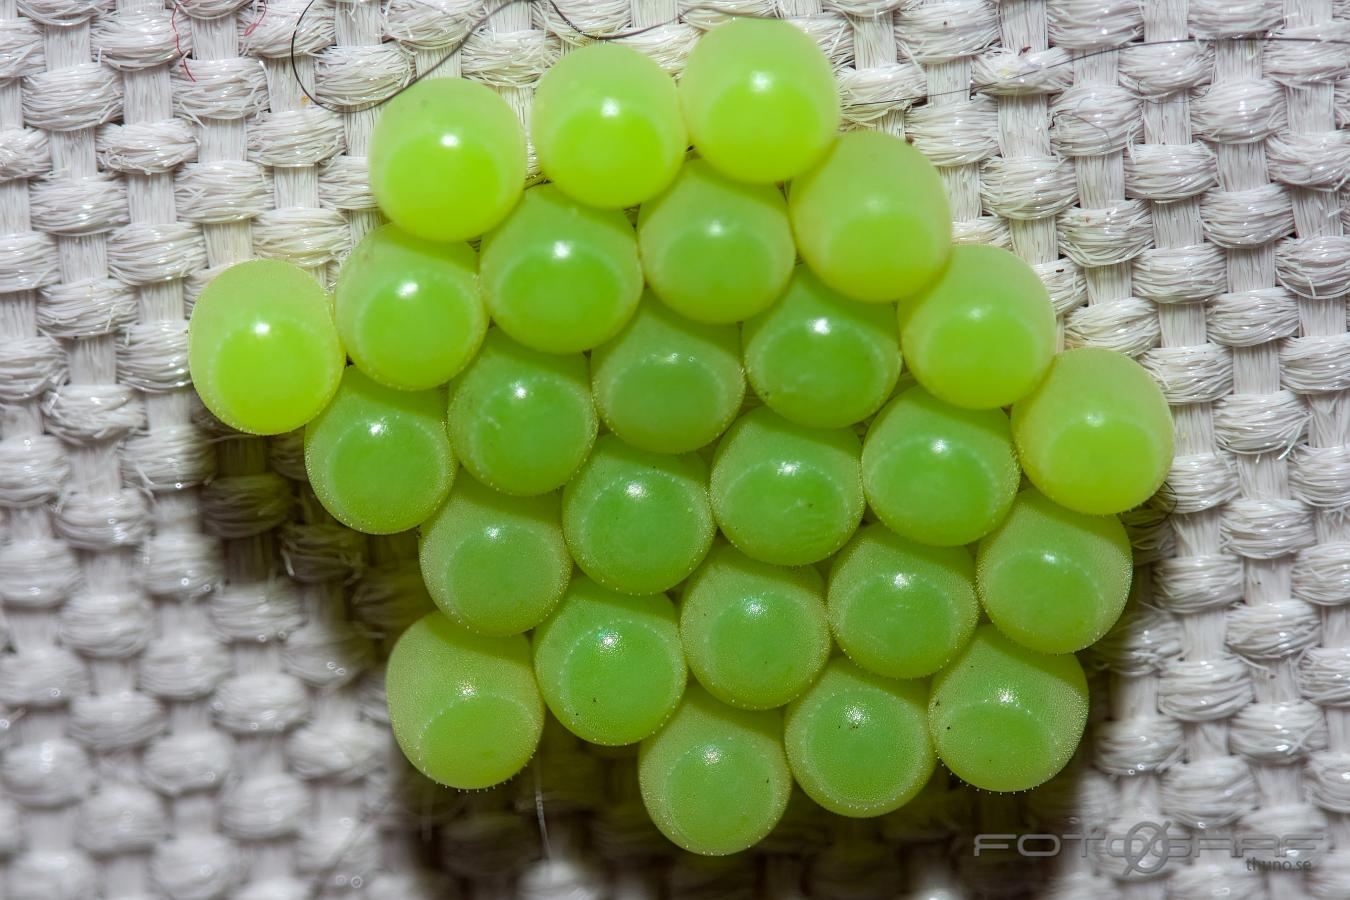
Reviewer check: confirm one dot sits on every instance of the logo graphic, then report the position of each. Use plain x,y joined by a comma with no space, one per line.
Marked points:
1147,847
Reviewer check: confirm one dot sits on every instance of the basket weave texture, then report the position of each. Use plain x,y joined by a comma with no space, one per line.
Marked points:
190,691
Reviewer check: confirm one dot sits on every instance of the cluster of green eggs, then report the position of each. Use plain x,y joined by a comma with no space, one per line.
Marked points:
796,443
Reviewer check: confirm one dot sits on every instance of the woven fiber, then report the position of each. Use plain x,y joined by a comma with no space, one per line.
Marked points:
190,693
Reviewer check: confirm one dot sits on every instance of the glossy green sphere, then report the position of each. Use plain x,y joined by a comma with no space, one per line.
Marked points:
714,779
379,459
899,608
606,126
713,249
818,358
755,634
872,218
447,159
760,100
263,349
637,521
939,474
1096,434
784,493
559,276
858,743
494,563
1053,579
1005,718
984,334
520,420
464,708
409,310
610,665
668,384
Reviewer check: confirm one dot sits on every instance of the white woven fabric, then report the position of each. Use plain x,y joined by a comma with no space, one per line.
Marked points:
190,698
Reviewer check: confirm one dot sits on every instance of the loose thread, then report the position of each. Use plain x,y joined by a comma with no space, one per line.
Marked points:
178,46
539,809
262,14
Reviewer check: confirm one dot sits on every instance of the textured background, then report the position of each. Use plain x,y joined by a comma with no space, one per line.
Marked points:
190,692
